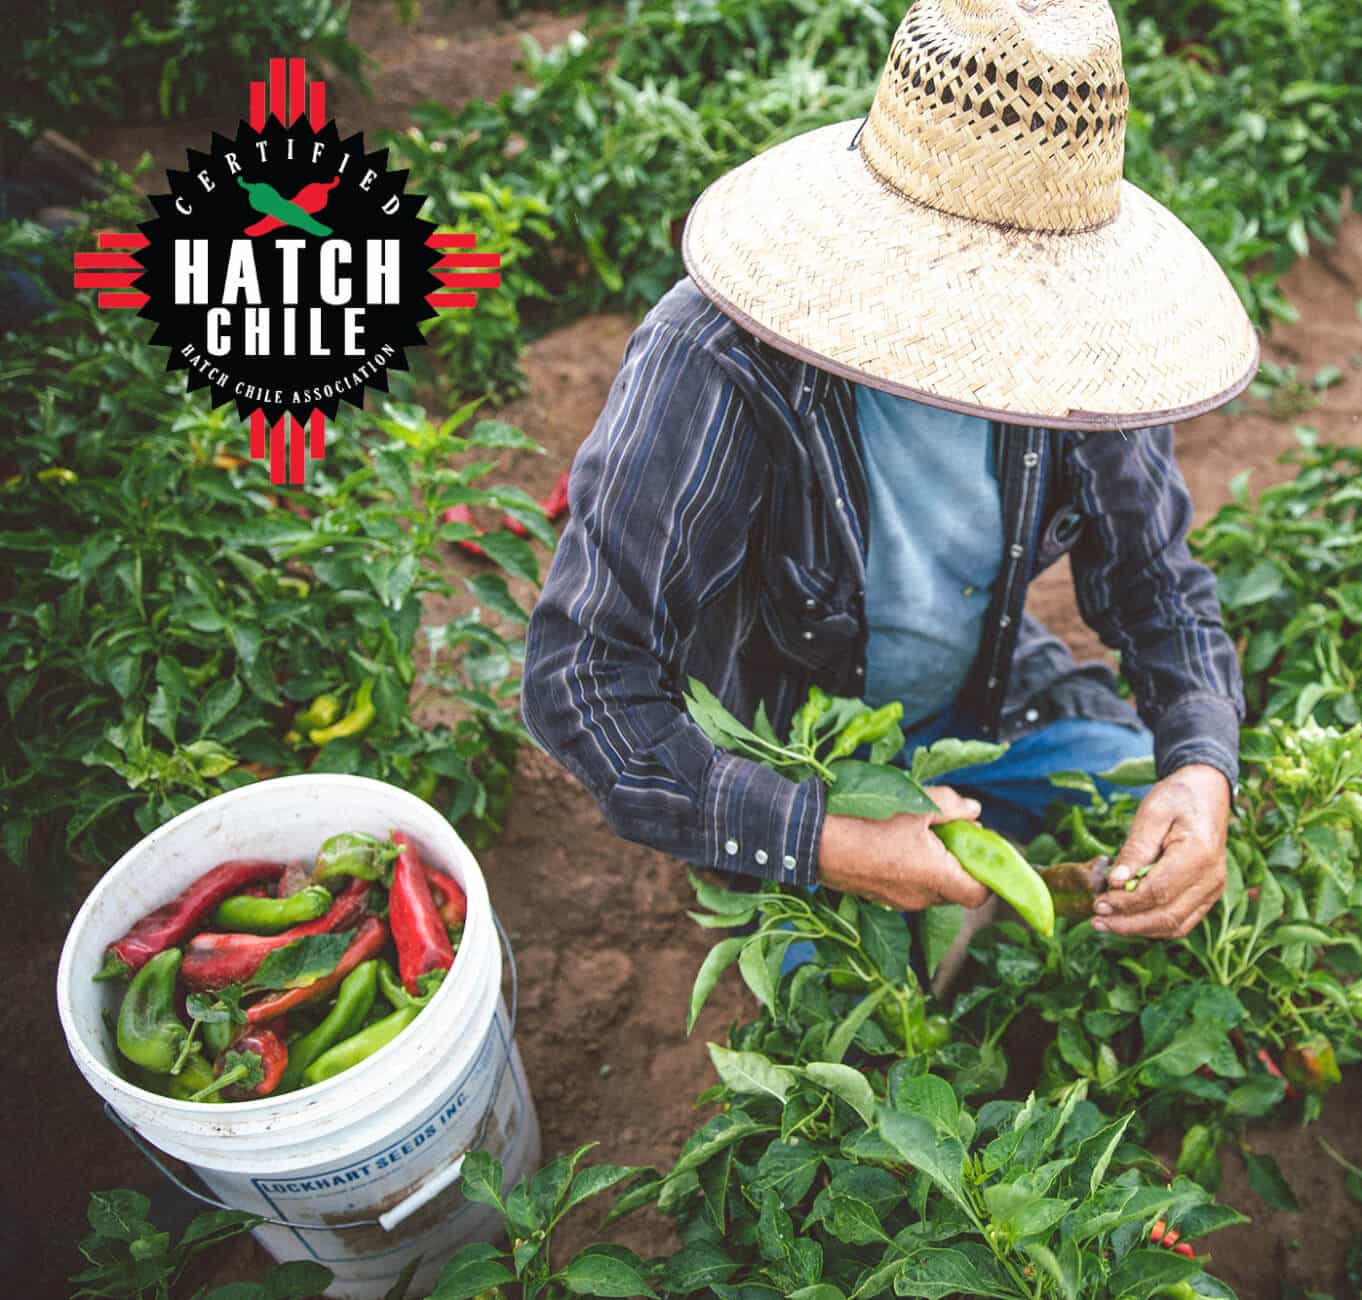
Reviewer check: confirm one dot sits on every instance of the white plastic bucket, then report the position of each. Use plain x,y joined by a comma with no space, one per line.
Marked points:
383,1139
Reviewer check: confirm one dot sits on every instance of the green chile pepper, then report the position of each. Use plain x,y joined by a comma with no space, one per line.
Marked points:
322,712
359,1047
354,1000
196,1075
866,729
362,713
352,853
149,1032
1311,1065
246,914
936,1033
217,1038
818,703
993,861
1084,840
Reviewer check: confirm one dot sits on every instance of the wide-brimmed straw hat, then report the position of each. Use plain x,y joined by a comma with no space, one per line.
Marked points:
972,244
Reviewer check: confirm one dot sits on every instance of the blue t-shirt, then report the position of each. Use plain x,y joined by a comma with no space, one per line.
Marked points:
936,541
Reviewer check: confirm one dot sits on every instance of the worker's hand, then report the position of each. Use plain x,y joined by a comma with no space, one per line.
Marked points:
1180,829
899,861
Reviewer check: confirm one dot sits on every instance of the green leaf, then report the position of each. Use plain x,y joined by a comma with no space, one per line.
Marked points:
876,792
1131,771
1142,1272
296,1279
594,1180
599,1271
218,703
1254,1099
729,902
1266,1178
490,590
480,1179
512,553
472,1271
941,1273
697,1265
848,1084
788,1169
751,1072
949,755
709,714
500,435
854,1221
843,1035
938,927
756,973
120,1215
717,960
914,1138
302,962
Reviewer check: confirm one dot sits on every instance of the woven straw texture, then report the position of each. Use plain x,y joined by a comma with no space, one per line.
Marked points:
977,248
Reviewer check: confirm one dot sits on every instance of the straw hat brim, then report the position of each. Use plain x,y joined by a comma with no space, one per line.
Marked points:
1126,326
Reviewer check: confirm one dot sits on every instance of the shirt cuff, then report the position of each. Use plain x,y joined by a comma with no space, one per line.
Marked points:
759,823
1200,728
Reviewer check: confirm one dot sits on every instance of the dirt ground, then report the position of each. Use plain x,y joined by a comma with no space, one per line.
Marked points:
606,952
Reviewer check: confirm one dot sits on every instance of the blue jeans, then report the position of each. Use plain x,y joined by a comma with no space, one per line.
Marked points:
1015,790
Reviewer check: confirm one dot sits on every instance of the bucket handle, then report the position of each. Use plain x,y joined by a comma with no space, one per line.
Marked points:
388,1220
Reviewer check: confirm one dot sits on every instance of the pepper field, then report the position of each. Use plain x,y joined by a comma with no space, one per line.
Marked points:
1248,123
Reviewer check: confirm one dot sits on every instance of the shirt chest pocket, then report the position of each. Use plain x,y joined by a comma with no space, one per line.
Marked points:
1059,535
807,617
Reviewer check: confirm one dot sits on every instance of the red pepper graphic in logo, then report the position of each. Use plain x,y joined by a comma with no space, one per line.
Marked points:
311,198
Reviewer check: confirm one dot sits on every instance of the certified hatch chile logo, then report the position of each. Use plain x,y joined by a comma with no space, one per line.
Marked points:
287,270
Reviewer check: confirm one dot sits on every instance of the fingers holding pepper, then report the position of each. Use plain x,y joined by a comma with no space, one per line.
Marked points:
1174,857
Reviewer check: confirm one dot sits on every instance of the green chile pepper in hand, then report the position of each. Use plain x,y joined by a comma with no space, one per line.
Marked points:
362,713
808,713
866,729
354,1000
352,853
992,861
246,914
149,1032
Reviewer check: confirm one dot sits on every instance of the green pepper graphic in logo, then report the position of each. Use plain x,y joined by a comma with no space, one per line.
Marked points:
266,200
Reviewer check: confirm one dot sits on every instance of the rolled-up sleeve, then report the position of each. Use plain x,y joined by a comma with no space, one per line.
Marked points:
662,497
1140,589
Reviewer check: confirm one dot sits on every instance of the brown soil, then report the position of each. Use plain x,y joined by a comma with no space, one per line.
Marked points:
606,952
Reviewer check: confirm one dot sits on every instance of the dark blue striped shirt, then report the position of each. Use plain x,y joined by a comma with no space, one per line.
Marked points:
718,530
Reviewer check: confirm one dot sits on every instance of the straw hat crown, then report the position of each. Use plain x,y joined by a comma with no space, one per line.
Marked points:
1010,113
971,244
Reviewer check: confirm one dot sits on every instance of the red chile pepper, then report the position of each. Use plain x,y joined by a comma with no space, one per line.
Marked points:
449,898
368,942
462,515
418,929
252,1068
554,507
212,961
1271,1067
167,926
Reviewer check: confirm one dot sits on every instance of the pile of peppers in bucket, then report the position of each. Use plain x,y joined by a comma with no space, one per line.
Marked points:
264,977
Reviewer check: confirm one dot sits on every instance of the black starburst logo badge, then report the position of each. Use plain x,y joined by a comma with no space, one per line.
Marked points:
287,270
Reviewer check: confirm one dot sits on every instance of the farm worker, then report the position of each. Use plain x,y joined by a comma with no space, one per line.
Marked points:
916,359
